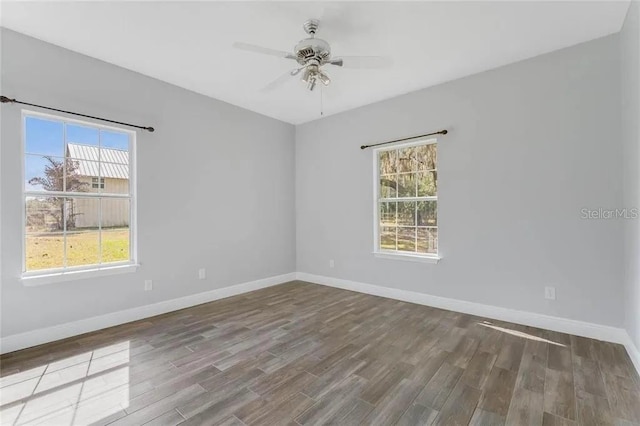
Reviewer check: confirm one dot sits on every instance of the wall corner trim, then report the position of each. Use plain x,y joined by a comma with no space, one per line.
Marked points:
563,325
62,331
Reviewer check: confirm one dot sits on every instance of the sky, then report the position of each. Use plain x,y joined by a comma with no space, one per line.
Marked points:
46,137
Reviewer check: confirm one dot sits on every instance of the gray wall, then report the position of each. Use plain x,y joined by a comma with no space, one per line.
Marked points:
630,67
530,145
215,186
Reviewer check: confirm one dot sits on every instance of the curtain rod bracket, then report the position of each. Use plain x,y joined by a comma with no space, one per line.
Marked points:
7,100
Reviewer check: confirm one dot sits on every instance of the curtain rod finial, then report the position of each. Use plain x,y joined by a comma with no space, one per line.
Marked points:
150,129
444,132
5,100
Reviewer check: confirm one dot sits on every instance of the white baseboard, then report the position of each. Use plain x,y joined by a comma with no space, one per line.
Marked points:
580,328
62,331
563,325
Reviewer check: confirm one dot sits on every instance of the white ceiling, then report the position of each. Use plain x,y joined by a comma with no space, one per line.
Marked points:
189,43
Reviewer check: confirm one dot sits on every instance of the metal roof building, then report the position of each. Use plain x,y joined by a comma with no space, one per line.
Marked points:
103,162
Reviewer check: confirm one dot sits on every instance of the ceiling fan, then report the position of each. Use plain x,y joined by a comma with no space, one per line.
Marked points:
312,54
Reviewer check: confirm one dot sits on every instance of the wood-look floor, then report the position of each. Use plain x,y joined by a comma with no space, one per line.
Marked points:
299,354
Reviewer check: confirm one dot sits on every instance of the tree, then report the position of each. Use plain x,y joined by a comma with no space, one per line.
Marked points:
54,180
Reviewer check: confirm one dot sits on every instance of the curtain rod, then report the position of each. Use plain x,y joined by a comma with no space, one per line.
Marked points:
441,132
6,100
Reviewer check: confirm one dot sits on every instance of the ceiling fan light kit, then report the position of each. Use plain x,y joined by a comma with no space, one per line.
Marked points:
312,54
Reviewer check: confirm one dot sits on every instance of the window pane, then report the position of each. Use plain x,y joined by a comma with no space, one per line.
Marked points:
388,185
79,175
407,185
113,185
426,157
82,247
44,242
407,239
115,140
388,162
388,214
428,240
407,160
427,184
115,213
44,214
43,173
44,137
82,135
115,245
114,167
82,231
82,213
407,213
115,230
44,250
388,238
427,213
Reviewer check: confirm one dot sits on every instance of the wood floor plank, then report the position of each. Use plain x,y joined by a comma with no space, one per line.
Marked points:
486,418
478,370
460,406
418,415
623,397
394,404
510,354
436,392
552,420
587,376
300,353
593,410
559,394
160,407
221,409
526,408
498,391
332,403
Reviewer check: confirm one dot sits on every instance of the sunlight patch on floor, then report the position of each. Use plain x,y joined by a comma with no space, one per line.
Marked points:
519,333
76,390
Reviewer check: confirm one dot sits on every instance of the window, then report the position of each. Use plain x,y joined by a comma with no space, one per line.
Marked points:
78,195
406,199
97,183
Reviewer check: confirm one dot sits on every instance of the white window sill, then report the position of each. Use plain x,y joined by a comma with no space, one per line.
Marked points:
56,277
407,257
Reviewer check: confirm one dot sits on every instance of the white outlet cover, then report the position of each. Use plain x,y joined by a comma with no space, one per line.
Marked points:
148,285
331,263
550,293
202,274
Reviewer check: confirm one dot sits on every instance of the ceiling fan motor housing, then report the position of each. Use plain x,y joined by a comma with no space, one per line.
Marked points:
312,49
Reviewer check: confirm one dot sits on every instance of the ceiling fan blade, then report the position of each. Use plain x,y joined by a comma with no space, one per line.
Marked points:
296,71
264,50
362,61
279,81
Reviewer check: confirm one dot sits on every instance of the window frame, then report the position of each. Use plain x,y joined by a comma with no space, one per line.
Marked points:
66,273
395,254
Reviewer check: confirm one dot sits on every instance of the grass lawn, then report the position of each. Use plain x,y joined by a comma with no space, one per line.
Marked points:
46,251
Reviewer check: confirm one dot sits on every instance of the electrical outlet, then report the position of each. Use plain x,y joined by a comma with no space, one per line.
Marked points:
148,285
202,274
550,293
331,263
